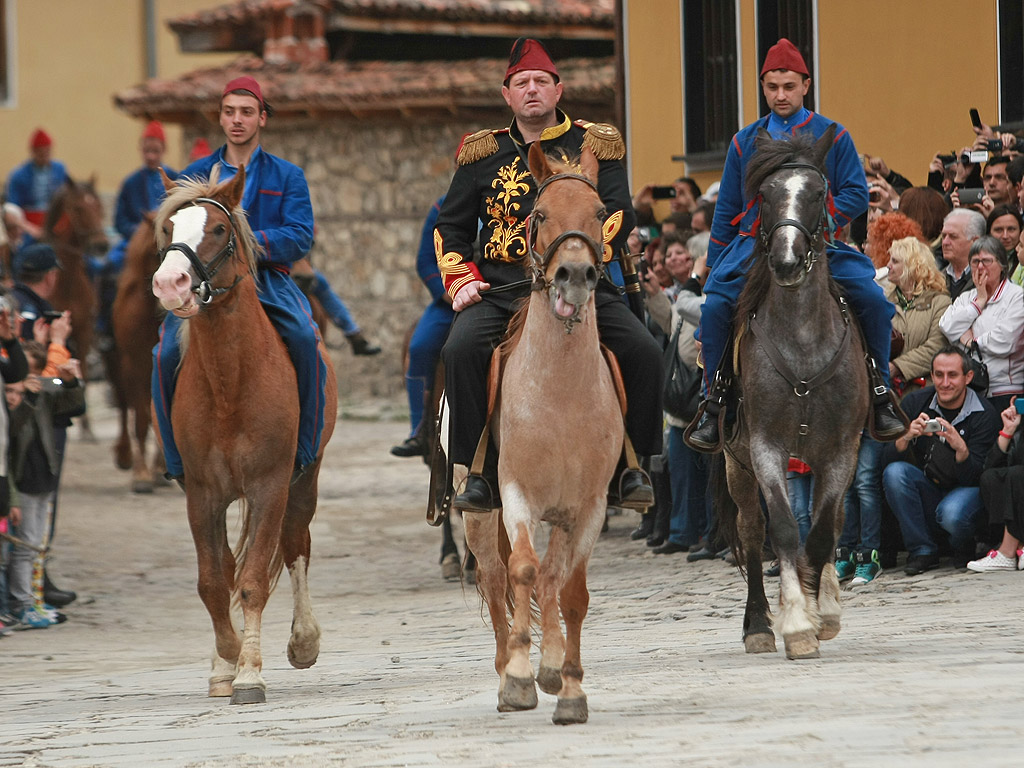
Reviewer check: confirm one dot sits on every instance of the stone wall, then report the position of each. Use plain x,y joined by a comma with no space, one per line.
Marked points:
372,183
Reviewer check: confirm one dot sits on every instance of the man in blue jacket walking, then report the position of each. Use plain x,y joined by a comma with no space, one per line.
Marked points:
276,200
785,81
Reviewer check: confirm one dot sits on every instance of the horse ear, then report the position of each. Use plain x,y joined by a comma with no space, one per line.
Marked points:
168,184
540,169
236,188
763,137
92,180
823,145
588,164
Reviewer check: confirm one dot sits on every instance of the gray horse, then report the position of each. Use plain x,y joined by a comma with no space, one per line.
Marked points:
804,394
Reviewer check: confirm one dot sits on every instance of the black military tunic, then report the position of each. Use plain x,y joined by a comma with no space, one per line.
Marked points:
490,198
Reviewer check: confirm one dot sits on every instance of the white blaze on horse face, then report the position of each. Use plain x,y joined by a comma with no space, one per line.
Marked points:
789,210
172,283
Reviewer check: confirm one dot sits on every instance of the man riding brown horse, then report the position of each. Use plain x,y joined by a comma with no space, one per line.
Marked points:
493,193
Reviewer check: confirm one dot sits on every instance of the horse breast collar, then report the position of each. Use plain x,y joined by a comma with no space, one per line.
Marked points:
206,272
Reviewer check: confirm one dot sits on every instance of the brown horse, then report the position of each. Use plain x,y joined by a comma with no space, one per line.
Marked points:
236,418
135,317
560,431
74,227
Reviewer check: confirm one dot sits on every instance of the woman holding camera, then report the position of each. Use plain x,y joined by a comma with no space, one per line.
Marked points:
992,316
1002,493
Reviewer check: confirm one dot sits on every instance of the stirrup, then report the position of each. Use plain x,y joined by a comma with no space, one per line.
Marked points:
706,416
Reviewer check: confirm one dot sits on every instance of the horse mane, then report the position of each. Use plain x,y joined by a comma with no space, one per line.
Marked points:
187,190
772,155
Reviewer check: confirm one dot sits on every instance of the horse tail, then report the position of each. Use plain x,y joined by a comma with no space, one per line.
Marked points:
275,565
726,510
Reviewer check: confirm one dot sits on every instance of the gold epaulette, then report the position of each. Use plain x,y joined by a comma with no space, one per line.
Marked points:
476,146
604,140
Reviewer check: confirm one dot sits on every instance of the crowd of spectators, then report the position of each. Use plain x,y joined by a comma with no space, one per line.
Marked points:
949,255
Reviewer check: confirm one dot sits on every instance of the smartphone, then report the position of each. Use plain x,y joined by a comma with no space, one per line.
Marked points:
975,118
663,193
49,315
970,196
932,425
1019,405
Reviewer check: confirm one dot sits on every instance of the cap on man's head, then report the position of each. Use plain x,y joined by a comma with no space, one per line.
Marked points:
40,138
784,55
155,131
35,258
200,149
527,53
245,83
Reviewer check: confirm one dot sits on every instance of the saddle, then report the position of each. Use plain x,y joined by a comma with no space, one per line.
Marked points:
442,471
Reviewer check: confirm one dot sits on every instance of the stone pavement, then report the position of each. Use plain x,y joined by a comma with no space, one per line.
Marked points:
926,671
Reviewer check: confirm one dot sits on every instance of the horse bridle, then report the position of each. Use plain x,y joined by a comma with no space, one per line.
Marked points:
812,255
539,261
205,273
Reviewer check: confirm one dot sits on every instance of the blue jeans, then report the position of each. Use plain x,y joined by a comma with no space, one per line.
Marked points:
924,510
862,530
333,305
801,500
688,472
424,352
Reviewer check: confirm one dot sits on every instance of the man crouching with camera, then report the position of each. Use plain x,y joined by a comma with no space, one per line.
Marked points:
932,486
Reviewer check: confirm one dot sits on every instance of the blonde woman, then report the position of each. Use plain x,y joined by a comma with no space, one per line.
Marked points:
918,291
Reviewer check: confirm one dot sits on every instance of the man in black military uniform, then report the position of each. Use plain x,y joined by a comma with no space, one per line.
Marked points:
492,187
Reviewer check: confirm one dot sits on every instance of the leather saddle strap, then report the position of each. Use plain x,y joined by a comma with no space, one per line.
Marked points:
620,390
493,394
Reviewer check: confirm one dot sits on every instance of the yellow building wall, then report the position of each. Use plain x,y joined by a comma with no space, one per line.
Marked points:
70,58
901,75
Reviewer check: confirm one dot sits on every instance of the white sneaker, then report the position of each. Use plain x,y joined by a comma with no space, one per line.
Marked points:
993,561
1020,559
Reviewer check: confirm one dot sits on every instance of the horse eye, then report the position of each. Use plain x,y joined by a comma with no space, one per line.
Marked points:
219,229
539,216
602,214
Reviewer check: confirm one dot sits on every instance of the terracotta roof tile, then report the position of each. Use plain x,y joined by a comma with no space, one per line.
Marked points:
598,13
361,87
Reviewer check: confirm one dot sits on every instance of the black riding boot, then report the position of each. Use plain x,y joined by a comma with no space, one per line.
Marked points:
887,420
705,432
481,491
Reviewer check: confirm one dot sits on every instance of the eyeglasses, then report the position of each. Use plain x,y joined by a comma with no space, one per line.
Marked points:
979,262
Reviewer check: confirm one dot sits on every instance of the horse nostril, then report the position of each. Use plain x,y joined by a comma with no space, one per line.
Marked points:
591,275
561,275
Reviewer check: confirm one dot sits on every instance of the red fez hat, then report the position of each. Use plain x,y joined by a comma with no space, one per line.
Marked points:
200,149
245,83
40,138
155,131
529,54
784,55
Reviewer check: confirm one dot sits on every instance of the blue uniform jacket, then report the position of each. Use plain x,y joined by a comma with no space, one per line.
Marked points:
735,214
19,186
141,192
426,260
276,201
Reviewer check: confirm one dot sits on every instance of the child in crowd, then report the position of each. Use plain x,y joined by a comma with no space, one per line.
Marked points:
32,405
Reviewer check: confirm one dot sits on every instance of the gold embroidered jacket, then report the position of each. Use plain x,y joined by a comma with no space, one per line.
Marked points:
492,192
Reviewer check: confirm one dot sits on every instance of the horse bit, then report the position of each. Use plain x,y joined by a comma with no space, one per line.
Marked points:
811,256
206,272
539,261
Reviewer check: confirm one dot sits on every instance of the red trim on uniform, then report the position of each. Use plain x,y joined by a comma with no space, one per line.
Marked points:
739,216
284,269
271,192
737,145
266,244
794,129
718,242
836,141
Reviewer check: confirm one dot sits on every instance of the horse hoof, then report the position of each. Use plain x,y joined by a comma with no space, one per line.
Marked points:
122,460
803,645
549,679
829,629
569,711
303,655
220,688
252,695
451,570
142,486
517,694
761,642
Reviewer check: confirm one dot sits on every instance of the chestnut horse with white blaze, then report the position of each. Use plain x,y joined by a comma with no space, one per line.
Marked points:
235,416
560,429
